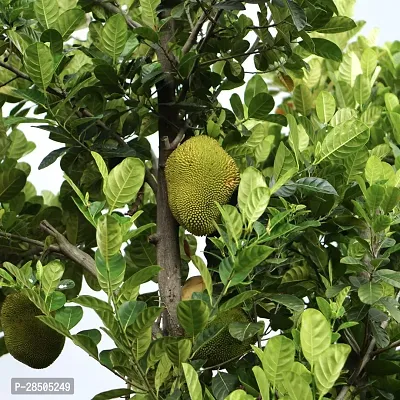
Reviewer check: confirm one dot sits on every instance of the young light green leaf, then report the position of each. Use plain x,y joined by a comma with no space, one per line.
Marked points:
46,12
329,365
205,274
262,382
193,382
325,106
362,89
257,202
108,236
149,12
124,182
302,99
251,178
369,61
52,273
101,165
278,358
297,387
315,334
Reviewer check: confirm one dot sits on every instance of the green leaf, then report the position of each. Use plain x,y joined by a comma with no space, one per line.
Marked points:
46,12
283,163
162,371
54,324
114,36
237,300
239,394
251,178
110,271
179,351
325,106
315,334
391,101
124,182
204,272
257,202
108,236
329,365
298,15
288,300
101,165
277,358
52,274
296,274
312,184
243,331
113,394
18,146
145,320
12,181
369,61
69,21
193,382
302,99
92,302
260,106
262,382
324,48
297,387
237,106
254,86
222,384
389,276
246,261
69,316
370,293
362,89
343,140
149,12
55,300
193,315
129,311
39,64
337,25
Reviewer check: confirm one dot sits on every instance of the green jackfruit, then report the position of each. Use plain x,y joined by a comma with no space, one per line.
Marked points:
28,339
224,347
199,173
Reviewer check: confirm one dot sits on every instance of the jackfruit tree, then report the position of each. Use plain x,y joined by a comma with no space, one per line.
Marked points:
229,203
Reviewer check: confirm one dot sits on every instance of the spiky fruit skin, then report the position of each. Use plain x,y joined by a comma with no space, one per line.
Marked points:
29,340
223,347
192,285
199,173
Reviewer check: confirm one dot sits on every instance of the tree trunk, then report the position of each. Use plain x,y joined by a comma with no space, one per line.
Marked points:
168,255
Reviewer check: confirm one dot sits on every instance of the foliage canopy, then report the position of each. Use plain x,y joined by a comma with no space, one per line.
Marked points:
309,245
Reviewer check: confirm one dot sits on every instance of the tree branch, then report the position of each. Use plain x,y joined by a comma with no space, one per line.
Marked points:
193,35
116,10
69,250
391,345
168,255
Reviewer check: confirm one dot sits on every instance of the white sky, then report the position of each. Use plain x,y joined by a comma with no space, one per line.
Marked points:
90,377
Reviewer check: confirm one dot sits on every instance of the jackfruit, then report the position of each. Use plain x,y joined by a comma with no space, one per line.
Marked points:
192,285
28,339
199,173
224,347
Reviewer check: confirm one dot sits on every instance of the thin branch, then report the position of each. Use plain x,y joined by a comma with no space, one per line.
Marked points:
9,81
69,250
116,10
15,70
37,243
193,36
179,137
207,14
391,345
151,181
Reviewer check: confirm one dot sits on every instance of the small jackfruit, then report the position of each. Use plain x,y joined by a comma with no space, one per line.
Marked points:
224,347
194,284
28,339
199,173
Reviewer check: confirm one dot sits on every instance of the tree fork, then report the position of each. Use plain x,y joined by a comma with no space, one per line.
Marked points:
168,255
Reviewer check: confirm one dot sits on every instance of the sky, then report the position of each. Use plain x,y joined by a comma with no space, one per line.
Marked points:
90,377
